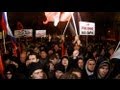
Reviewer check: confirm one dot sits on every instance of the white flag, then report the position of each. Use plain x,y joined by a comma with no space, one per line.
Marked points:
116,54
57,16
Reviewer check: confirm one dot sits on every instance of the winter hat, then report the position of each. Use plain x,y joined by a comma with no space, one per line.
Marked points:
105,63
34,66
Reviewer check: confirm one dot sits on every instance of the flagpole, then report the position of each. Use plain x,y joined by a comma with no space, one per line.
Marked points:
74,24
79,16
66,26
4,41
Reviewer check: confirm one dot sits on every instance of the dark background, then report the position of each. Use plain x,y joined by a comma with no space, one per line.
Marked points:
107,23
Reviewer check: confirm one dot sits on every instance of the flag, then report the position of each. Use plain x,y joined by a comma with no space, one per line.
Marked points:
3,22
1,66
116,54
57,16
6,28
5,25
65,16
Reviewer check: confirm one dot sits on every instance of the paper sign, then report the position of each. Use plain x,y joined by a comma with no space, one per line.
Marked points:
28,32
40,33
86,28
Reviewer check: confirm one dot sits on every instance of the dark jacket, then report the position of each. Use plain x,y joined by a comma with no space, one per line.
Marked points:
104,63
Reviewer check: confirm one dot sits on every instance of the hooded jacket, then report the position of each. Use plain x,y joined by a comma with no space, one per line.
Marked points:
104,63
87,74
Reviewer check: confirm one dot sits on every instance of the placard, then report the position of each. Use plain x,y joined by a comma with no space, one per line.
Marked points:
86,28
28,32
18,33
23,33
40,33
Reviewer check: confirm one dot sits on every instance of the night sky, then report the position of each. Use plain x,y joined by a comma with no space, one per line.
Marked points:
103,20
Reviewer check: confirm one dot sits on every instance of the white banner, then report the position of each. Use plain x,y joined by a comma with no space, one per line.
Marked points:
18,33
28,32
40,33
86,28
23,33
0,35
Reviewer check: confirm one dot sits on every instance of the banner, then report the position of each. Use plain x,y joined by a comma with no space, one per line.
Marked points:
18,33
27,32
86,28
23,33
40,33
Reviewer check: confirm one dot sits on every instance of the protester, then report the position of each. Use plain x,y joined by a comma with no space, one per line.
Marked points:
36,60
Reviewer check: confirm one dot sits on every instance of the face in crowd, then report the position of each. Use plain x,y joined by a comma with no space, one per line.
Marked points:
33,58
80,63
9,75
103,71
23,57
91,65
43,54
37,74
58,74
65,62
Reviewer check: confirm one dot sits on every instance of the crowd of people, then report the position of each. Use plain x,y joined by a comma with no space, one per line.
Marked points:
60,57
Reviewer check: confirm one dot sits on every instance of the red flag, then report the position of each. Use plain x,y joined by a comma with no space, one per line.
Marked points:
1,66
57,16
14,49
